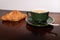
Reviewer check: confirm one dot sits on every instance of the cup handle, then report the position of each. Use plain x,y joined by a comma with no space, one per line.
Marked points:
28,13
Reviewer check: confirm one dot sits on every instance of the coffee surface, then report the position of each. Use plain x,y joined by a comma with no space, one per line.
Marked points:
39,11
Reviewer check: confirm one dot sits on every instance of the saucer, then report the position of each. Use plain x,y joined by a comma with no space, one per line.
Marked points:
29,21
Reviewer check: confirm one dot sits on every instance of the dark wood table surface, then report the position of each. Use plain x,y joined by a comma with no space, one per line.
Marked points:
22,31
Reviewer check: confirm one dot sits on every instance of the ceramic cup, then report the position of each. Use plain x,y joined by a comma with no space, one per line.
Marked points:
39,16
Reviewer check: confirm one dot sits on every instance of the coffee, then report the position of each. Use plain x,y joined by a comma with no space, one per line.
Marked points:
39,11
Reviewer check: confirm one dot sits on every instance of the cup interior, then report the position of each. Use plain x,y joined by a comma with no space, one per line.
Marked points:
39,11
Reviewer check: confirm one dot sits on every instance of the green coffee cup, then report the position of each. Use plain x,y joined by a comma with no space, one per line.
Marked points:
39,16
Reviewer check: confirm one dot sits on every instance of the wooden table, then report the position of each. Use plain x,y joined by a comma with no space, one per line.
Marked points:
22,31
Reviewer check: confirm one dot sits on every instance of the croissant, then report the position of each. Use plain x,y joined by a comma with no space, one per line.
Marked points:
14,16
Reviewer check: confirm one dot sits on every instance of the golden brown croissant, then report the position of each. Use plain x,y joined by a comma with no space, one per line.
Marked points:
14,16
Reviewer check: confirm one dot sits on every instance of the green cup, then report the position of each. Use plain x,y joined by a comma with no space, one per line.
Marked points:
39,16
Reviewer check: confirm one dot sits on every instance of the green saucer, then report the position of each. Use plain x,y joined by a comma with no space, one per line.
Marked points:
29,21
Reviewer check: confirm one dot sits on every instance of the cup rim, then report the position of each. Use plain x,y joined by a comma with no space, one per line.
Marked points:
45,11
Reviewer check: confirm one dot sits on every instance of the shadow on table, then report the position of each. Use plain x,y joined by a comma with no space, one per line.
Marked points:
45,32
